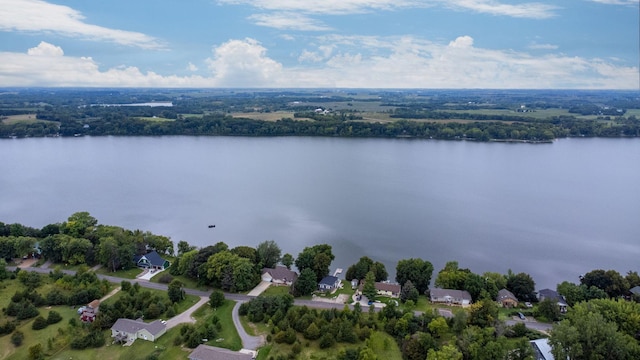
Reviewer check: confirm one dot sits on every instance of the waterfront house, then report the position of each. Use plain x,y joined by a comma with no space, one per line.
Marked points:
506,299
329,283
127,330
450,297
385,289
151,260
279,275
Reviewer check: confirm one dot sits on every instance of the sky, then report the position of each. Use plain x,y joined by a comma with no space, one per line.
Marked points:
504,44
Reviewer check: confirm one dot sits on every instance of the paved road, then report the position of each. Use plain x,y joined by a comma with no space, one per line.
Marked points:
185,316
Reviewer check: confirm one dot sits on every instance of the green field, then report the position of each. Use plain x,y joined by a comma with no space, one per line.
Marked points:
26,118
125,274
228,336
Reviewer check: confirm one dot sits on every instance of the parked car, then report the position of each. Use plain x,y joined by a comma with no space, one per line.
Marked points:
528,304
521,316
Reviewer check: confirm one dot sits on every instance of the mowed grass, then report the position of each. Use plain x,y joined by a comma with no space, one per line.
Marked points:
186,281
155,119
32,337
228,337
126,274
265,116
26,118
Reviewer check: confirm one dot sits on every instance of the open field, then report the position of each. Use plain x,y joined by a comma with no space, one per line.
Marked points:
228,337
265,116
26,118
154,118
126,274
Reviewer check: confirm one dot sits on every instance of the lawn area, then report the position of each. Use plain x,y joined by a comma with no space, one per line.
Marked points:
183,305
126,274
186,281
155,119
265,116
229,335
32,337
26,118
276,290
7,289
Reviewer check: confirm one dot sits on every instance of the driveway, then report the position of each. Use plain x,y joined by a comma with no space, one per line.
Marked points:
248,341
185,317
259,289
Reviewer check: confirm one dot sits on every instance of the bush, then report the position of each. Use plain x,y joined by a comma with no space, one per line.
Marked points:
7,328
54,317
17,338
216,299
39,323
165,278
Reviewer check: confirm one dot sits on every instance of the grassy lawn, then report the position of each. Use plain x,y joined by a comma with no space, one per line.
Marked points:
33,337
155,118
126,274
7,289
186,281
26,118
276,290
228,337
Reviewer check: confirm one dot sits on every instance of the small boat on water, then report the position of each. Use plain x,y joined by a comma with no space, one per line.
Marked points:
211,226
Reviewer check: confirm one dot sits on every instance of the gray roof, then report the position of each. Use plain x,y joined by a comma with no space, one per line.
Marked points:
153,257
281,273
552,295
635,290
456,294
328,280
542,349
132,326
206,352
506,294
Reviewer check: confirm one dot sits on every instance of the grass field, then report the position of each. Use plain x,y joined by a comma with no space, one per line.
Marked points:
126,274
154,118
186,281
228,335
265,116
26,118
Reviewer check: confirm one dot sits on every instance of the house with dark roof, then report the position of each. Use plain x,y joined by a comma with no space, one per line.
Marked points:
279,275
329,283
127,330
553,296
206,352
506,299
450,297
151,260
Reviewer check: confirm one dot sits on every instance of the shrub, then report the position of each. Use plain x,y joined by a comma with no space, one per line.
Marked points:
39,323
17,338
216,299
54,317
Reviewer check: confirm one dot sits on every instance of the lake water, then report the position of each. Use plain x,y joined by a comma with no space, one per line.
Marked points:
554,211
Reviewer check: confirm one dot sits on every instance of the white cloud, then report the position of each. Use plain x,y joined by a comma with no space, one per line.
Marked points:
243,63
41,16
192,67
536,46
45,49
337,61
534,10
617,2
288,21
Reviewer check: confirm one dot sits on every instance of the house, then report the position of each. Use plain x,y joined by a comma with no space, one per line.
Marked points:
206,352
635,290
279,275
541,349
506,299
89,312
128,330
554,296
450,297
385,289
151,260
329,283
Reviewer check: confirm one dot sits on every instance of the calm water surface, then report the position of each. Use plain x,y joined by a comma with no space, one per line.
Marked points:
554,210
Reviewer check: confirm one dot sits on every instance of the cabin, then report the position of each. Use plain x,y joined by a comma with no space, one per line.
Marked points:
279,275
127,330
206,352
151,260
506,299
329,283
450,297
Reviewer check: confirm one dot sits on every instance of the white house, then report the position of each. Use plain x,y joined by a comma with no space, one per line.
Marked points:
128,330
450,296
329,283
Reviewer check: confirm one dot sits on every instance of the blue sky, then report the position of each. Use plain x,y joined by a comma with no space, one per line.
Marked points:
582,44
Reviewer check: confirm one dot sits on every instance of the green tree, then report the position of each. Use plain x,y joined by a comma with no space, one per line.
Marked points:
175,291
522,286
305,284
317,258
36,352
417,270
216,299
522,351
409,292
287,260
246,252
39,323
78,224
438,327
268,253
448,352
369,286
184,247
17,337
548,309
